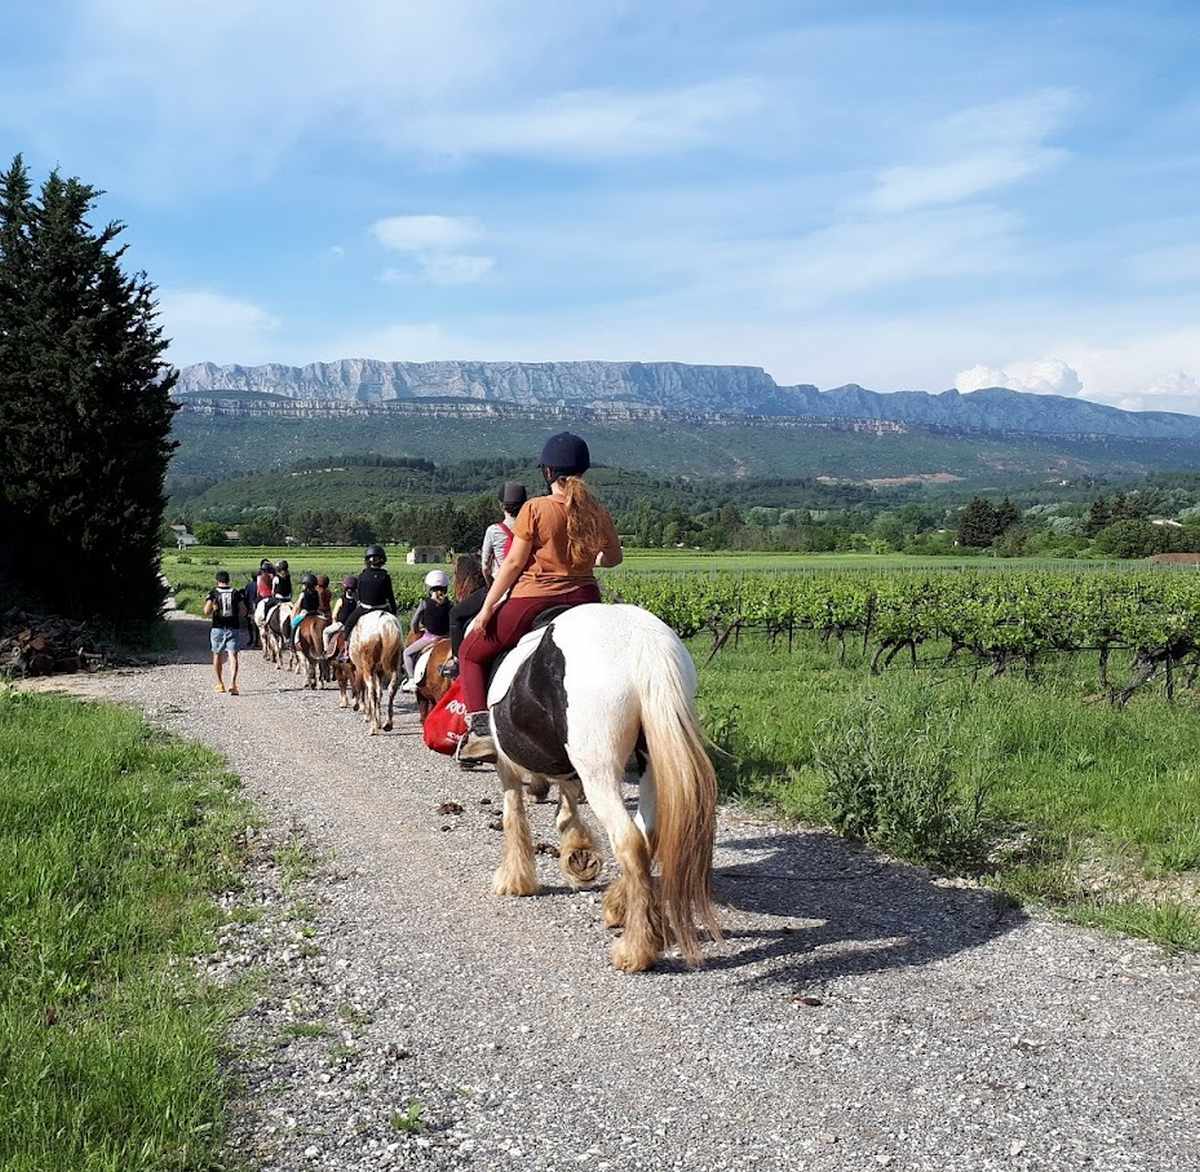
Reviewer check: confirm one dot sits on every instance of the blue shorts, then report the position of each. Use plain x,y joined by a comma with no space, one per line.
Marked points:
223,639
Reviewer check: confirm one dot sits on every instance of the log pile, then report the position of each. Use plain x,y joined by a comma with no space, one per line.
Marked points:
40,645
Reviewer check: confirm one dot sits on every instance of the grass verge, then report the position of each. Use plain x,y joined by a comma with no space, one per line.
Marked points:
1036,786
112,838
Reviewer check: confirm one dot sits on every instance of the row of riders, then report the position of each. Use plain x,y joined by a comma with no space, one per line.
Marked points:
557,689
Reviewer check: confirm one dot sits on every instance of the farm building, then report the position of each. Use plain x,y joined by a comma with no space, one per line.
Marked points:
420,554
1176,559
183,539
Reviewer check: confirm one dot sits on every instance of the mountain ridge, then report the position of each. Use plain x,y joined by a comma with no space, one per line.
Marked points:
677,386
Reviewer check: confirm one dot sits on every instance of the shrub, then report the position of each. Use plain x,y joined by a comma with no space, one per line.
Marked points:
894,783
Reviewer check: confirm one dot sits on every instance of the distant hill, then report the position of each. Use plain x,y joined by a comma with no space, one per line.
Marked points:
666,419
672,387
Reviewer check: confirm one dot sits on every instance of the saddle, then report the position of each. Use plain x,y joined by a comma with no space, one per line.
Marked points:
543,620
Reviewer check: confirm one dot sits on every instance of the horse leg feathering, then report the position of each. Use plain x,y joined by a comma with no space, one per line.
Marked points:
516,874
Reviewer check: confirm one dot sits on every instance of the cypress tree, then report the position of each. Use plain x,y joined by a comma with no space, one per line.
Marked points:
977,524
85,407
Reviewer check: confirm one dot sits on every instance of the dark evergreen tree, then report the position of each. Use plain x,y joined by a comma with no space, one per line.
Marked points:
85,407
1007,515
977,524
1099,516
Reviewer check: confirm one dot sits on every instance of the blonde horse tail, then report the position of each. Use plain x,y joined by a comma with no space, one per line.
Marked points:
686,786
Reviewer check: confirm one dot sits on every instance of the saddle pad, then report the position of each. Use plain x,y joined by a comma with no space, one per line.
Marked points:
423,662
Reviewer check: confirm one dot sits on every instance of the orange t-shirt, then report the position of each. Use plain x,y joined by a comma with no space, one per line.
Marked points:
549,571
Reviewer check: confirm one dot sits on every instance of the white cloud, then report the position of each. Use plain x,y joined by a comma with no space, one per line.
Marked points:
431,242
425,233
336,252
209,327
974,151
456,268
595,123
1046,376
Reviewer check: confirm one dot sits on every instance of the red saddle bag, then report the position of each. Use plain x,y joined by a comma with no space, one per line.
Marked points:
446,723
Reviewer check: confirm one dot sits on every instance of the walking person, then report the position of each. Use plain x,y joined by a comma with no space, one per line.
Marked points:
226,606
250,594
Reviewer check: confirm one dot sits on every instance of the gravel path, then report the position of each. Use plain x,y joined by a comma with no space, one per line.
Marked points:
858,1016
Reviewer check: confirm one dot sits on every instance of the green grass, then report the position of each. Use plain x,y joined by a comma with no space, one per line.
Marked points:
112,838
1094,800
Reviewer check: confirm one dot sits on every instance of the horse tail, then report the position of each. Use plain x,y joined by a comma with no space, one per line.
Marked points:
685,782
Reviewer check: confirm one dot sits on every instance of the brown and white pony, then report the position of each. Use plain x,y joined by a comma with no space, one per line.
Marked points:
376,645
571,704
431,684
274,626
310,647
349,682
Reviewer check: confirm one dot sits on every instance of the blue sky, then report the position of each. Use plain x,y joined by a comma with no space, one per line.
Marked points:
905,196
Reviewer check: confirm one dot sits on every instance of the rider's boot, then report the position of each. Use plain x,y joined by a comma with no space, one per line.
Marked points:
449,669
477,747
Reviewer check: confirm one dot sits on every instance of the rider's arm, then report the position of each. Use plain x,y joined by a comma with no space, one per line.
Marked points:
611,555
416,624
391,597
487,554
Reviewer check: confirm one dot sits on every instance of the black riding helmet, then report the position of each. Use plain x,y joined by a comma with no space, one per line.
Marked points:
308,580
375,555
564,455
265,565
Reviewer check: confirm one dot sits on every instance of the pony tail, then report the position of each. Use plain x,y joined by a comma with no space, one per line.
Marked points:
586,520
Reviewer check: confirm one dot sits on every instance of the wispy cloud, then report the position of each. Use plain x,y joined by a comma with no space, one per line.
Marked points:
976,150
425,233
431,241
595,124
208,326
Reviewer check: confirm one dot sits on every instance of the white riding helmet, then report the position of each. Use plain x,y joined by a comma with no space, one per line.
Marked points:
436,578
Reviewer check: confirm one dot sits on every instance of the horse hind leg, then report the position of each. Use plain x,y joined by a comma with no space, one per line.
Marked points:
391,700
633,900
578,858
516,874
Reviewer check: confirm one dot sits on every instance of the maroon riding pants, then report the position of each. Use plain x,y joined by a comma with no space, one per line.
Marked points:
511,620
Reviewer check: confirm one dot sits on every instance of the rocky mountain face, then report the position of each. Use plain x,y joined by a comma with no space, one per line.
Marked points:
673,387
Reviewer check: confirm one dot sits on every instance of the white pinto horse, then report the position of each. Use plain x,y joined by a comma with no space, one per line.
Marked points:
571,704
376,644
273,629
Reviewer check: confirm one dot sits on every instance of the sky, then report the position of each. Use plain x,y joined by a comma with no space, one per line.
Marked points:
911,196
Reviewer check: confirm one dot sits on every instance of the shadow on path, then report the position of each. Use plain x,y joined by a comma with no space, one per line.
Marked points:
859,913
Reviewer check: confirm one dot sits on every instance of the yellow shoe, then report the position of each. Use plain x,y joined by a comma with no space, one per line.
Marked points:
218,687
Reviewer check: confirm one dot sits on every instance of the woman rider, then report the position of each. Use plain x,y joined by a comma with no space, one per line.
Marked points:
557,542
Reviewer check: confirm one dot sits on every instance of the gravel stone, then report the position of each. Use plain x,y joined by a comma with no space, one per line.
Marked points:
858,1014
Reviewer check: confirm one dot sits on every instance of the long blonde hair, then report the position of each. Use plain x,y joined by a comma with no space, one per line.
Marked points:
587,520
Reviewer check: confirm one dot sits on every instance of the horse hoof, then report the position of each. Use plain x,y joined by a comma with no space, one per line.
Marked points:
387,727
629,959
581,866
505,884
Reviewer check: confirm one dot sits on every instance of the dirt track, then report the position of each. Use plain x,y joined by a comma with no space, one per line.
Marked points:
944,1032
